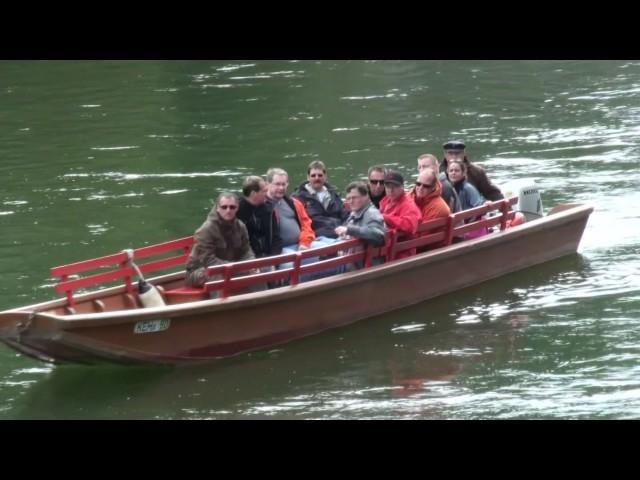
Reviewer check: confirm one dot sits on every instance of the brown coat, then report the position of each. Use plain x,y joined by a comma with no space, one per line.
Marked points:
216,242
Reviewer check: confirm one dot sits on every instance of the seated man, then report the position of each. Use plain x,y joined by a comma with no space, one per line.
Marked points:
222,238
293,222
364,221
399,210
321,201
426,195
259,218
476,176
430,161
375,177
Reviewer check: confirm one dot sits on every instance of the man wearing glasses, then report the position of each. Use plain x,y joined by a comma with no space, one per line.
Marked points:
427,195
364,222
321,201
222,238
376,184
399,210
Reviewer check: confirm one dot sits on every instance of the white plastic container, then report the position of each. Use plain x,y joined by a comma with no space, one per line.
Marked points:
529,199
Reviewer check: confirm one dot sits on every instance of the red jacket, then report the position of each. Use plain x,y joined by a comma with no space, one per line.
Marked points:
402,216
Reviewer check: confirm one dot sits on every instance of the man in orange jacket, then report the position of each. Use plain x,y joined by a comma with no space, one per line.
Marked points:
294,223
427,195
292,219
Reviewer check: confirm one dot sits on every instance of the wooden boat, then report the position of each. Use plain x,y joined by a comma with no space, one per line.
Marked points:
111,325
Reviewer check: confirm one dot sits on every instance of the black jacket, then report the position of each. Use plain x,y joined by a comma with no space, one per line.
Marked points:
264,233
324,220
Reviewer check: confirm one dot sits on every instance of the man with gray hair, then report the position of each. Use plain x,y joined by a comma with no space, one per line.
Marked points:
222,238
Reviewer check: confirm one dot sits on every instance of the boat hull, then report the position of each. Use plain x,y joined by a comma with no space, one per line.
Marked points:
210,329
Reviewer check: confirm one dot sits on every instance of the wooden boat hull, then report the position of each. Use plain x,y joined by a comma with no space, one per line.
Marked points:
205,330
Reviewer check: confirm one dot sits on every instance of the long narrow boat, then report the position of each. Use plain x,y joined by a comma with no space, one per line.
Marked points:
112,325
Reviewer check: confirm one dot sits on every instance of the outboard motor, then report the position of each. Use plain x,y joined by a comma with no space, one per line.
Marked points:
529,200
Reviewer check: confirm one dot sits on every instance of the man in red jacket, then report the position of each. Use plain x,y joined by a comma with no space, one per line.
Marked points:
399,210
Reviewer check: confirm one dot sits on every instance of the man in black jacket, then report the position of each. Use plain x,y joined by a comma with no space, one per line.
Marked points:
259,218
321,201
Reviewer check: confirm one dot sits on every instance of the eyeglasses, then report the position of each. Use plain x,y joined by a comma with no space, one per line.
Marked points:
425,185
227,207
454,152
376,182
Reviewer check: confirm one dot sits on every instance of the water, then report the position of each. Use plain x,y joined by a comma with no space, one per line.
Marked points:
101,156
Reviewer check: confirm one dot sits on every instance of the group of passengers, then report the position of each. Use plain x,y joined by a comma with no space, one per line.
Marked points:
267,221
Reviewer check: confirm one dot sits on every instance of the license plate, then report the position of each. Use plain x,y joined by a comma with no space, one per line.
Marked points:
150,326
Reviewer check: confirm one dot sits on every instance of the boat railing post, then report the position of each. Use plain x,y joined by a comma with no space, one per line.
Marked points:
68,293
449,237
504,208
368,253
227,281
127,279
294,279
393,238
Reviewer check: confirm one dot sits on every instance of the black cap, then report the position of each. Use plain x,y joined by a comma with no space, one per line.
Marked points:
394,177
454,145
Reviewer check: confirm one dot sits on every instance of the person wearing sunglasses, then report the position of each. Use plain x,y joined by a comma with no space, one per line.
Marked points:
427,194
321,201
428,160
222,238
376,184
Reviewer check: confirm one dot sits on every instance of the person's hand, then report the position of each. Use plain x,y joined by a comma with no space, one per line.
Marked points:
254,271
341,231
303,247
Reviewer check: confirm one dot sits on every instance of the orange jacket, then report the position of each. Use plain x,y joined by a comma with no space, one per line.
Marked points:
307,234
432,206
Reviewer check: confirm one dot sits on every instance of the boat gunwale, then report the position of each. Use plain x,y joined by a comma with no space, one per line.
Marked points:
214,306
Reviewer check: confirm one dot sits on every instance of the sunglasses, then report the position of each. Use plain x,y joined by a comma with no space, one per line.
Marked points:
425,185
227,207
376,182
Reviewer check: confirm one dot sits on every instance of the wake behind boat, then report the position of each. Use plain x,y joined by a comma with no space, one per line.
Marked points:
114,325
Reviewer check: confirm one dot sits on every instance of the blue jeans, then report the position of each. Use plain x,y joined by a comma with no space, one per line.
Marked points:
318,242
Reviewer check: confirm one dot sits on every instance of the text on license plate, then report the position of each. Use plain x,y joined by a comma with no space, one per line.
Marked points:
150,326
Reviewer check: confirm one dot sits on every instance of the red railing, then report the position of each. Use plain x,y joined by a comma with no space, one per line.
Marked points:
356,251
124,270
